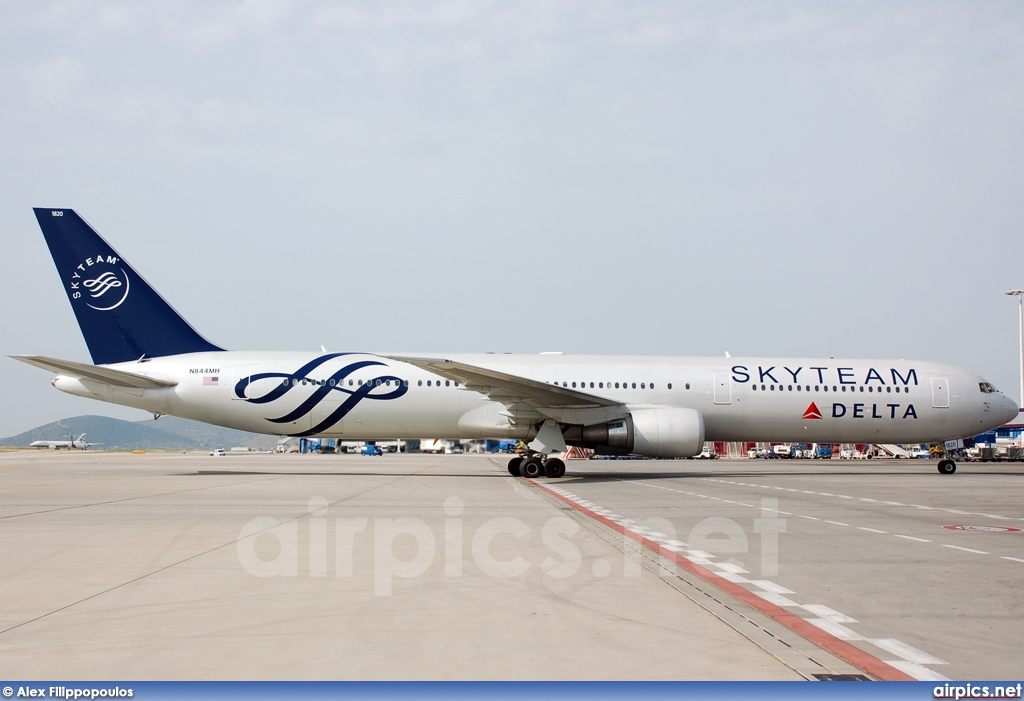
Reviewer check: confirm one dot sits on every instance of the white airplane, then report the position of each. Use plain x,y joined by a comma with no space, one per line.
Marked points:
78,443
147,356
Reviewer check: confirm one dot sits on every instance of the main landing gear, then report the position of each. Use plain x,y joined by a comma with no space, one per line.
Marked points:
536,465
947,466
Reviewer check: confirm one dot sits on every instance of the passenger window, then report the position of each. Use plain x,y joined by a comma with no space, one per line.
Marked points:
670,385
447,383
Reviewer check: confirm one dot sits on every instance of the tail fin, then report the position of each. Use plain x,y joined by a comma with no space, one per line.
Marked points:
122,318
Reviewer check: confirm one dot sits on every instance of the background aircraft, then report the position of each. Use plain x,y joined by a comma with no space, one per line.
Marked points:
76,443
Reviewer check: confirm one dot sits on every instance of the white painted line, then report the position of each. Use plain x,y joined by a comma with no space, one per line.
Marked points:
655,535
810,518
699,553
894,503
922,674
866,499
828,614
1015,559
910,537
730,567
777,599
841,632
969,550
734,578
674,548
843,496
771,586
904,651
740,503
837,523
870,530
677,543
701,561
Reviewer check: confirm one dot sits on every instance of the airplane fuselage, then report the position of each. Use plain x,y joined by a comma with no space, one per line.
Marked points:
361,396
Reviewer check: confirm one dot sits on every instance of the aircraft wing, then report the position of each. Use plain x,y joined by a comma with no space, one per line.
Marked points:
509,389
118,378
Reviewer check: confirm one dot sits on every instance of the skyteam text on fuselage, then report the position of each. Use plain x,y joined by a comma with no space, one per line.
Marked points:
147,356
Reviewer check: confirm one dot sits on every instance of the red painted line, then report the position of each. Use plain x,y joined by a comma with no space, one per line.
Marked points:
840,648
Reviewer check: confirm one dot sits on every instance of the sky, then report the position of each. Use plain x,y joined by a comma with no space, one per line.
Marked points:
798,179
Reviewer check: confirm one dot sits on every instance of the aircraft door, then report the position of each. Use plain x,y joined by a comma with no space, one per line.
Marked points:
723,388
940,393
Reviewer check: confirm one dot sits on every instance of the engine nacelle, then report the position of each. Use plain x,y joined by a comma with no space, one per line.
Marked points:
660,432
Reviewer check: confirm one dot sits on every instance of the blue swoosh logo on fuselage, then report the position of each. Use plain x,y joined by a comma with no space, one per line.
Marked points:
290,381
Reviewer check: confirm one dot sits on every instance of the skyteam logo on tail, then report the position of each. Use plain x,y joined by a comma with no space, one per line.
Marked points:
100,282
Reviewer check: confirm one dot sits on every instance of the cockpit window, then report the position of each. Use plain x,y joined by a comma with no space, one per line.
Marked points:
987,388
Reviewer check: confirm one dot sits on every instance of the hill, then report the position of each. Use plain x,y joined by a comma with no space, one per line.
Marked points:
169,433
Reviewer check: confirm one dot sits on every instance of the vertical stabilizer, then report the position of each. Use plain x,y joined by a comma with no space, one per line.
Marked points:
122,318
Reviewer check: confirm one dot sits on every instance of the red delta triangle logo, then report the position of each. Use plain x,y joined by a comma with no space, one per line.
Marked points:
812,412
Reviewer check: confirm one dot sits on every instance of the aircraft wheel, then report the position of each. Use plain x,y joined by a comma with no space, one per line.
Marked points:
531,467
513,466
947,467
554,468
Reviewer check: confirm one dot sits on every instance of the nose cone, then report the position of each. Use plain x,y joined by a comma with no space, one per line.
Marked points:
1012,412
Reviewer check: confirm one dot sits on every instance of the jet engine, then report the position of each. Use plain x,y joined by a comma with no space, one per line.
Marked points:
659,432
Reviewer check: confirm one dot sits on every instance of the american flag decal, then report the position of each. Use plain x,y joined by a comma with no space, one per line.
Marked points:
209,380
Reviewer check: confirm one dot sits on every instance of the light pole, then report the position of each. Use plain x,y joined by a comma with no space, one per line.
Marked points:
1019,294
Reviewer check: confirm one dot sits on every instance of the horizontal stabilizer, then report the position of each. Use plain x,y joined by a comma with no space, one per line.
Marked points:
117,378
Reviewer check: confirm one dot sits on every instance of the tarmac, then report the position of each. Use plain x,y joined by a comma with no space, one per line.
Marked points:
166,566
